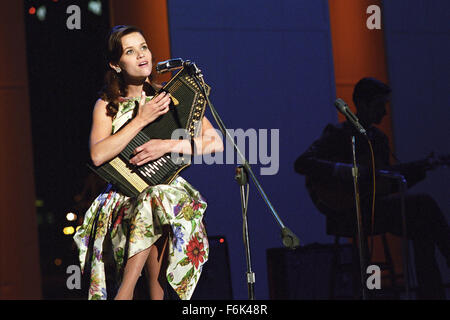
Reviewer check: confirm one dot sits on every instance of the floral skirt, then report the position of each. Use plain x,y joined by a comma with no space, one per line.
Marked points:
134,224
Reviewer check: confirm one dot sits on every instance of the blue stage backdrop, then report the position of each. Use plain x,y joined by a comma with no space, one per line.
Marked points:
270,67
418,50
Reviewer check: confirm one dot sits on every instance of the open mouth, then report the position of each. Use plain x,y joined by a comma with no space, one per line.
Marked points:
142,64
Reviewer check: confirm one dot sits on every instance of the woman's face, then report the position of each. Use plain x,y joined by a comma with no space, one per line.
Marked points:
136,59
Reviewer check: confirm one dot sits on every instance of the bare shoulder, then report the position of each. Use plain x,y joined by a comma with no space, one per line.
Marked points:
101,117
100,105
100,109
101,122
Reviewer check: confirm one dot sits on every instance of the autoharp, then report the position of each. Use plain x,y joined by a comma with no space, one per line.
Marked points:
186,111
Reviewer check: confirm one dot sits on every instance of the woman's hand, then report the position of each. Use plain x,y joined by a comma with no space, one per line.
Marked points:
150,150
208,142
150,111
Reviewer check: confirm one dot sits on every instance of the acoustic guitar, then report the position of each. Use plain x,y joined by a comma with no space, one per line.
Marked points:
338,195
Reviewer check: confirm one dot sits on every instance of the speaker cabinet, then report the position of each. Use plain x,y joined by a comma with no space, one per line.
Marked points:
305,273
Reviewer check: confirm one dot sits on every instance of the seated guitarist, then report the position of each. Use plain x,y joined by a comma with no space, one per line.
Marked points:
327,165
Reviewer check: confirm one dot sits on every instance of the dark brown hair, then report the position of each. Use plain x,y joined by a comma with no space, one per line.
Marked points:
114,84
368,88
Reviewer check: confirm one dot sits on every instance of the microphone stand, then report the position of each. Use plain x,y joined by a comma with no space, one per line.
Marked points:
343,108
361,237
362,241
289,239
242,179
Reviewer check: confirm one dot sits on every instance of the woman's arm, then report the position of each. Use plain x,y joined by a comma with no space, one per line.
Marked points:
208,142
104,145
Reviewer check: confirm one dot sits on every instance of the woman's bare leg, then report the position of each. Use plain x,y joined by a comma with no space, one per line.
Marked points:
156,274
131,274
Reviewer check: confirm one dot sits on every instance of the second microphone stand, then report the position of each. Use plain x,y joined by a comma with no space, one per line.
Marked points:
289,239
362,245
362,240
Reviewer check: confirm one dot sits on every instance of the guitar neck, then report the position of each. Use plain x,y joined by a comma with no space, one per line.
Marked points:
421,165
407,167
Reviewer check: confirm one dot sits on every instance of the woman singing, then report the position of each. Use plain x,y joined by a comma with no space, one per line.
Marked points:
160,231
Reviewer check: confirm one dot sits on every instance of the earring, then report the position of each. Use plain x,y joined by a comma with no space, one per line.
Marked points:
118,69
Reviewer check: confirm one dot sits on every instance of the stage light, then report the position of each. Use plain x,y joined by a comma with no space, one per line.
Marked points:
95,7
221,240
32,10
71,216
41,13
68,230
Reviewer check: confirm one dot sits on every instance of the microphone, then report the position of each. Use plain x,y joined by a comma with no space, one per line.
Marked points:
345,110
169,65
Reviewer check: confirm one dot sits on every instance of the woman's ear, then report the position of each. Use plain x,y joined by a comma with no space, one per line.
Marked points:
115,67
